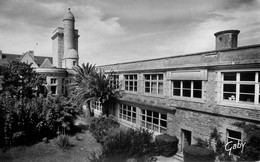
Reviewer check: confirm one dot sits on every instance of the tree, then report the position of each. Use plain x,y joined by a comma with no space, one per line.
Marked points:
80,86
19,80
91,83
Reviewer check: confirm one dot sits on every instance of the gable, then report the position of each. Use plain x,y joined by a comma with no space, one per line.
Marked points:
46,63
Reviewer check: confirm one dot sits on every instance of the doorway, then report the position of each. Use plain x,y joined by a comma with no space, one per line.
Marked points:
185,138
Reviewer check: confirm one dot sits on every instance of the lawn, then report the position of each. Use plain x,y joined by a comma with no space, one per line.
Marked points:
82,145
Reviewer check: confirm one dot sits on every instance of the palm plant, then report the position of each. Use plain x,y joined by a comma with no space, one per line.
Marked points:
80,85
91,83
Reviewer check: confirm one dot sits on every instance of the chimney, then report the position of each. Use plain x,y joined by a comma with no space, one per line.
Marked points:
31,53
226,39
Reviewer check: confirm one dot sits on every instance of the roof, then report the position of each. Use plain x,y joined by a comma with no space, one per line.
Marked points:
69,16
15,57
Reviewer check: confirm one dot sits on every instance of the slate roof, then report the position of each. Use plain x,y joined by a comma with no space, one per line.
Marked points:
15,57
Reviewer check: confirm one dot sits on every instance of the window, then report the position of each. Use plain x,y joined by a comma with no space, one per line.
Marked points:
235,137
154,83
127,113
241,87
131,83
154,120
74,63
53,86
96,105
53,80
114,81
192,89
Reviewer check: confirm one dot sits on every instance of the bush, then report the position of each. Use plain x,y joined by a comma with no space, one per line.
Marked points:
166,145
63,142
195,153
125,144
103,126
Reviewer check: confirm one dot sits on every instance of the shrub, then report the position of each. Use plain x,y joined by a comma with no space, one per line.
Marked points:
195,153
166,145
63,142
101,127
125,144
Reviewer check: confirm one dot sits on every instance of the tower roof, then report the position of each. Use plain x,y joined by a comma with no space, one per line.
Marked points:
68,16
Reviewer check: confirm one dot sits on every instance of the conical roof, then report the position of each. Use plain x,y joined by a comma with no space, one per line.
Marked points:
68,16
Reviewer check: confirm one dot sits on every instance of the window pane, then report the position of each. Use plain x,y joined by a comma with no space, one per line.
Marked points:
234,134
134,109
246,97
149,113
197,84
186,84
160,76
149,119
155,121
131,77
186,93
177,84
176,92
163,123
154,77
147,77
126,76
230,76
247,76
229,88
197,94
155,114
160,88
135,77
247,88
229,96
154,87
164,116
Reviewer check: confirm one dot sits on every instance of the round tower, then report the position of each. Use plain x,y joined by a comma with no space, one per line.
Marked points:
70,57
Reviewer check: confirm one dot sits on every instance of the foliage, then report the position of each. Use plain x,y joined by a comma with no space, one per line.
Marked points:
63,142
252,147
125,144
101,127
166,145
195,153
91,83
33,119
20,80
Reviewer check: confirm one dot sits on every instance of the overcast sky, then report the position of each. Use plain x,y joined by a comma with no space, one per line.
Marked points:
113,31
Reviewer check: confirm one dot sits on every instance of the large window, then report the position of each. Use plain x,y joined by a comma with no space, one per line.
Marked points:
127,113
154,83
114,81
131,83
192,89
154,120
241,87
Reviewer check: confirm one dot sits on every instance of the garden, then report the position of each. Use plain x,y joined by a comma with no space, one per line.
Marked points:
43,127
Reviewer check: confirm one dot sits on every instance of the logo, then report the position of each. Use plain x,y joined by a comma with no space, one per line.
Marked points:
232,145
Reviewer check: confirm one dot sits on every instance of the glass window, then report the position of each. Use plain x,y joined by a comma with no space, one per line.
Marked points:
131,83
127,113
192,89
241,87
154,83
153,120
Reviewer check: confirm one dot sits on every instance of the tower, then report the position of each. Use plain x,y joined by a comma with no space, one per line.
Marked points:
65,43
70,57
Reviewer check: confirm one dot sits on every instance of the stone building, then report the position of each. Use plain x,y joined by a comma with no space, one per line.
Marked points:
190,95
58,68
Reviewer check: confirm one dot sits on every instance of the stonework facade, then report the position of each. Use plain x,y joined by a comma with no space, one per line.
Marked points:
193,93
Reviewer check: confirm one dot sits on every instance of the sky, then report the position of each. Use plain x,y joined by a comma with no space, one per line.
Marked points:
115,31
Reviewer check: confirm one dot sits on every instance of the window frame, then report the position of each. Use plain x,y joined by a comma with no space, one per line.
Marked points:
114,81
235,99
191,89
159,118
151,81
128,80
121,115
54,84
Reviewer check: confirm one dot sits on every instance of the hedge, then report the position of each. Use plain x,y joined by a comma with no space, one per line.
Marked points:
194,153
166,145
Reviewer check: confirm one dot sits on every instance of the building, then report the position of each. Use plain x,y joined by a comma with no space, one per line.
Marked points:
190,95
58,68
